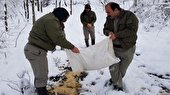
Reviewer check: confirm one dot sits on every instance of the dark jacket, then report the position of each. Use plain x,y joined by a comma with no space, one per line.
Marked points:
88,17
127,26
47,32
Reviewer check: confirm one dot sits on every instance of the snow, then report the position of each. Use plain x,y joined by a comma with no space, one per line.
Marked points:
152,50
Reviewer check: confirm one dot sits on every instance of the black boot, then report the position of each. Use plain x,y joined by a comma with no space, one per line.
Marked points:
42,91
93,41
116,87
87,43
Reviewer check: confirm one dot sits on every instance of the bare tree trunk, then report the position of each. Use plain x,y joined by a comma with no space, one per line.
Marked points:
27,9
101,2
45,3
41,6
33,11
135,2
38,5
71,7
65,3
60,3
56,3
5,18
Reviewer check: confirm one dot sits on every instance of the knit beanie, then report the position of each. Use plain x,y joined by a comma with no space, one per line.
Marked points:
61,13
87,6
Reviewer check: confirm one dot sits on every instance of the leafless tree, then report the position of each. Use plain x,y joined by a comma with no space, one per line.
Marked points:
60,3
71,6
38,5
41,5
5,18
65,3
135,2
27,9
33,11
56,3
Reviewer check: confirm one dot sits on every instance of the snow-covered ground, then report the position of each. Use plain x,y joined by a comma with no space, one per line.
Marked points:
148,74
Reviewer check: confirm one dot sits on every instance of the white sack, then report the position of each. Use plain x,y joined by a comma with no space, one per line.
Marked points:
98,56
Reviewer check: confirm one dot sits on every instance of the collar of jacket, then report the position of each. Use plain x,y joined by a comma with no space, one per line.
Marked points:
122,12
54,17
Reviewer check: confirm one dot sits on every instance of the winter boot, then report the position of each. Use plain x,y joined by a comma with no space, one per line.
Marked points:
42,91
115,87
87,43
93,41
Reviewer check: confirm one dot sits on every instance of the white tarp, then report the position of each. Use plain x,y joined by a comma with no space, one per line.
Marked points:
98,56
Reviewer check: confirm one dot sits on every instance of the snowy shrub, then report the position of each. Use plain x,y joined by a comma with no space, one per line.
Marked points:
57,60
156,16
23,85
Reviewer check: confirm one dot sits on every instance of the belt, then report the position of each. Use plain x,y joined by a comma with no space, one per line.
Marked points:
37,46
117,46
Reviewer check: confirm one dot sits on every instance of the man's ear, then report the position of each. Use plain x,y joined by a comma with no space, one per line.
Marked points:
116,10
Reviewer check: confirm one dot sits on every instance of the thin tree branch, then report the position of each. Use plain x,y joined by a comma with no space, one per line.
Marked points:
13,88
20,34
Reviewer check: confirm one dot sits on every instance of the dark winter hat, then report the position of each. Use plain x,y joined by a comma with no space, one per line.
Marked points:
87,6
61,13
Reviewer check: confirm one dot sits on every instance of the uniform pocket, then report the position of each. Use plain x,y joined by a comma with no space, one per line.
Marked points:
32,54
